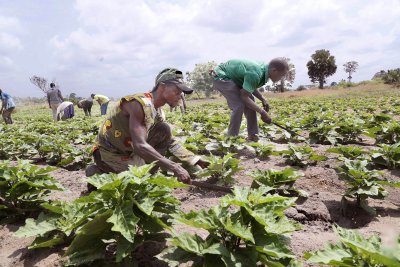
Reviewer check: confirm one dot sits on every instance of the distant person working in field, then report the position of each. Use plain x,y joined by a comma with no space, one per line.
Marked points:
237,81
86,105
135,133
65,111
181,104
54,98
103,102
7,107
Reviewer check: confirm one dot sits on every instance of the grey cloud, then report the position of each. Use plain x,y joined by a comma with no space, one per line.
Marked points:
223,16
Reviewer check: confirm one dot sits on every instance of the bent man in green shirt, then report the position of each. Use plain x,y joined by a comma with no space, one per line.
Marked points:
238,81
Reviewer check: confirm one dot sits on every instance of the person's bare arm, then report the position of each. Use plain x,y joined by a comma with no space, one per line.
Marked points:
245,96
3,103
262,99
138,134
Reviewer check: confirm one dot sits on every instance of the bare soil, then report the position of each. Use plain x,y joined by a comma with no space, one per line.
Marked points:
317,213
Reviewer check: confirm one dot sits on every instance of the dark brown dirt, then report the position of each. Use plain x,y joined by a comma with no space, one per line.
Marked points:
318,213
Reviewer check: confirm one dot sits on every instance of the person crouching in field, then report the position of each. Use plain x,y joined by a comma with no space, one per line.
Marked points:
86,105
238,80
7,107
65,111
54,98
135,133
103,102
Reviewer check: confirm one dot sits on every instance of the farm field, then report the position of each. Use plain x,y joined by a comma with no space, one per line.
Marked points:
347,143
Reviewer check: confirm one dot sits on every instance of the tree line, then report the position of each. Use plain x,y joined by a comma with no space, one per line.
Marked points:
320,67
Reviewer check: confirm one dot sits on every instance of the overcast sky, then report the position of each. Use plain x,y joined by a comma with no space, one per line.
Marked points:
117,47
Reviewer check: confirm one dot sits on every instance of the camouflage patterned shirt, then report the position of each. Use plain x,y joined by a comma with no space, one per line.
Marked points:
114,136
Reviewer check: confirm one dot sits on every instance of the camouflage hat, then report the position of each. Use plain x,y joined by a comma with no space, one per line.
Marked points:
171,75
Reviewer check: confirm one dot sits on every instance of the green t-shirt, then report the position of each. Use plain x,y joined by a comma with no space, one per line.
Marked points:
246,74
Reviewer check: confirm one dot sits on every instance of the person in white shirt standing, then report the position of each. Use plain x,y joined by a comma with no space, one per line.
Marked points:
54,98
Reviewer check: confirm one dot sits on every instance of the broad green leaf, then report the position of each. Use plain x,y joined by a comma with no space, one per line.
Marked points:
175,256
366,247
190,243
239,197
141,171
47,242
237,228
87,245
333,255
43,224
242,257
124,220
216,249
207,220
98,180
164,181
125,247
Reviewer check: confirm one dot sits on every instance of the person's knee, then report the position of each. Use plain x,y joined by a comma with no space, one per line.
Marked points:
239,108
160,132
164,130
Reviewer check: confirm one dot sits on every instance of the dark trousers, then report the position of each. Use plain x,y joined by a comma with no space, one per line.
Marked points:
7,115
232,94
88,111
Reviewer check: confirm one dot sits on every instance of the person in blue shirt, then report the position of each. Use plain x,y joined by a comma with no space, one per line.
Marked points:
7,107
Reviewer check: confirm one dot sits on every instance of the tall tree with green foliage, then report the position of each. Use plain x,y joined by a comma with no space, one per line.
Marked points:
350,67
199,79
321,65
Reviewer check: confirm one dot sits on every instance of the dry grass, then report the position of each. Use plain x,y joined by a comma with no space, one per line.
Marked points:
359,90
369,89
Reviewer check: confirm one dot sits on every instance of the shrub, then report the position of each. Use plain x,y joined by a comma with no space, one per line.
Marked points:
392,76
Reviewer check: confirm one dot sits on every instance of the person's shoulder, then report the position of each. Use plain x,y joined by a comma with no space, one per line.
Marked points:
133,107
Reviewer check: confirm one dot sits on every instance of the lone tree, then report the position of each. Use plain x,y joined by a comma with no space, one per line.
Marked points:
350,67
41,83
288,79
321,65
200,79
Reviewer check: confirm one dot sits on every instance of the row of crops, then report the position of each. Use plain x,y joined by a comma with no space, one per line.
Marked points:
247,227
62,144
133,208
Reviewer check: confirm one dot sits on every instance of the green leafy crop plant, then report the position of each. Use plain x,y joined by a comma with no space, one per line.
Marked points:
363,183
126,210
246,228
221,168
281,182
353,249
23,188
300,155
